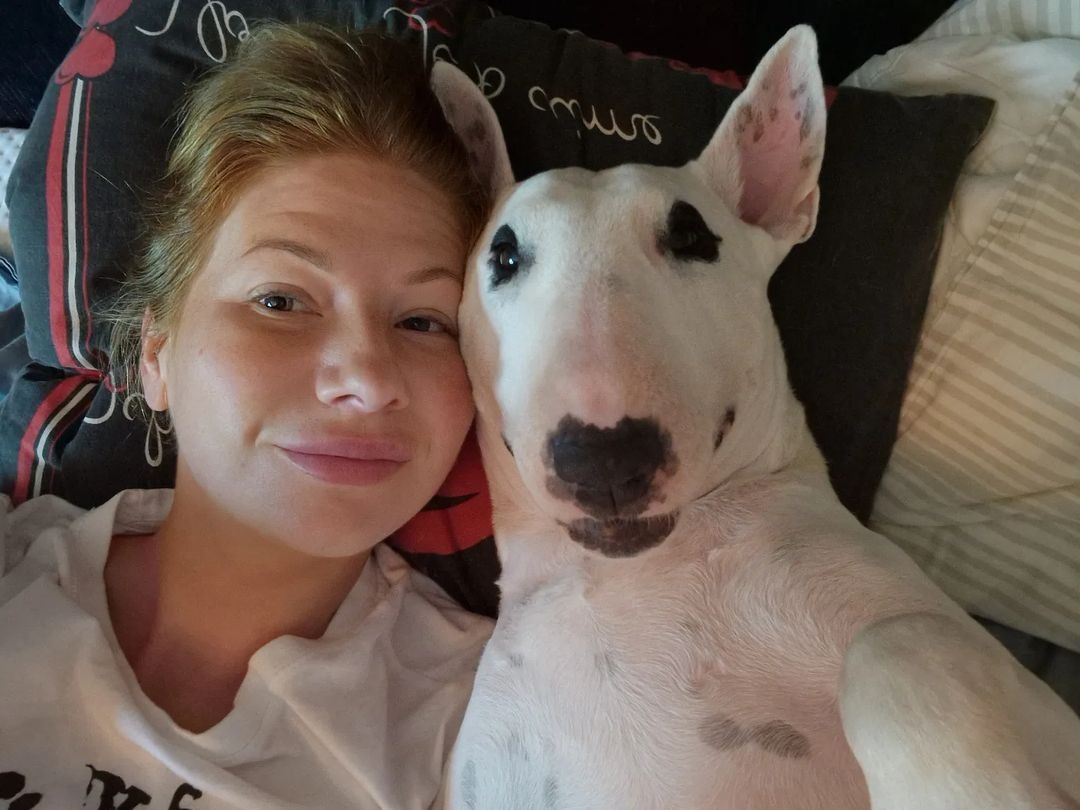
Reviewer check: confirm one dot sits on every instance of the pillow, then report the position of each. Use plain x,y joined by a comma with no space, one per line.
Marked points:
849,31
984,486
849,302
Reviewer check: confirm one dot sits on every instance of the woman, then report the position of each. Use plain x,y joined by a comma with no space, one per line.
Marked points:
244,641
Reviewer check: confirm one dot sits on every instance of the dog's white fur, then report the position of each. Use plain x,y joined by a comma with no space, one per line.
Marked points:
770,652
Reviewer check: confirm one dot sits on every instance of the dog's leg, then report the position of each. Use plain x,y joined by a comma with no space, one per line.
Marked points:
940,719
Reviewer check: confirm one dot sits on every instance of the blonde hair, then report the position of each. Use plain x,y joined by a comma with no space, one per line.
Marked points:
292,90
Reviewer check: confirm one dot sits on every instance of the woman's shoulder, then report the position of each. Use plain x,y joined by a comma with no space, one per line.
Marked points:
21,525
34,533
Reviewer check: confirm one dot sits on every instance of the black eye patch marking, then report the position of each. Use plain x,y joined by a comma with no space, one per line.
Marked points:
506,258
686,237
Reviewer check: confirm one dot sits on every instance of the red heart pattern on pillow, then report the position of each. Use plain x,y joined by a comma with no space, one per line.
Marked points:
94,51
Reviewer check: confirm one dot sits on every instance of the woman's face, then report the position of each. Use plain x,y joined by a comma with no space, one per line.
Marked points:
314,379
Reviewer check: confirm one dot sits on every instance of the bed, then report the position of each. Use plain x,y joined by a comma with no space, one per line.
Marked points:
931,325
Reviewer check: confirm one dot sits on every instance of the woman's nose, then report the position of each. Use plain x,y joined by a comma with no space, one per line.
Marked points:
363,373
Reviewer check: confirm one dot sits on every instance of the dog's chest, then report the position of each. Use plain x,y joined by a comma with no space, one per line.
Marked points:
711,670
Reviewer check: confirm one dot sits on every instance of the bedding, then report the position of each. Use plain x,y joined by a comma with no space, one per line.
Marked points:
739,32
33,36
849,302
10,142
12,342
983,487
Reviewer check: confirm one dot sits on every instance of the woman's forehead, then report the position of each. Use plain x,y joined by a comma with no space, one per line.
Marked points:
352,185
344,206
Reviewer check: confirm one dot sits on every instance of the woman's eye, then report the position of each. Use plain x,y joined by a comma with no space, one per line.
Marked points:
419,323
277,302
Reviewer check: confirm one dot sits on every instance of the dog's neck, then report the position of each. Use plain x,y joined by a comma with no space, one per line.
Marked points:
773,437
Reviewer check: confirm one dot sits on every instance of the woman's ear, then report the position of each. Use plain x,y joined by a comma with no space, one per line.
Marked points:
152,366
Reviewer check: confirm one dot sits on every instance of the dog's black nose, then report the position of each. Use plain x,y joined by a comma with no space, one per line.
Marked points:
608,472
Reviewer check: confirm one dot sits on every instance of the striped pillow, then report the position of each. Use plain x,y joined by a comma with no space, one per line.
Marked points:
983,488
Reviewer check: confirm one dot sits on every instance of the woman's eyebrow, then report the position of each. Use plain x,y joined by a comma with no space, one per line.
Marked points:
322,261
302,251
432,274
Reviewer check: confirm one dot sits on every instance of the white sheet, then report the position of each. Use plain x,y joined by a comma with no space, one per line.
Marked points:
11,141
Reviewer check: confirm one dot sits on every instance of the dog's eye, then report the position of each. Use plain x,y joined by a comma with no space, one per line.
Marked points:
505,257
687,238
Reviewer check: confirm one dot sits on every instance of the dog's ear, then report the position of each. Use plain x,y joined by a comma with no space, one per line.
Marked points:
765,156
474,121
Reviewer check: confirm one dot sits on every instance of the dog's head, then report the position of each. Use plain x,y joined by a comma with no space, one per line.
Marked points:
616,326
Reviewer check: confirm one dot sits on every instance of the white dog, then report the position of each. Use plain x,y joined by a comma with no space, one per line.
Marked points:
690,619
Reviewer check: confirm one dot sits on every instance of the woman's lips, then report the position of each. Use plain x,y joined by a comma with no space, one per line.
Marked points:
348,461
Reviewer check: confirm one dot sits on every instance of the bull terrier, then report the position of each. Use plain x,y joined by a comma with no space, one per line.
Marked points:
690,618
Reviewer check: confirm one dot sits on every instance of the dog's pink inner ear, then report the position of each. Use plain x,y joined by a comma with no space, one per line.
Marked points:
474,121
777,131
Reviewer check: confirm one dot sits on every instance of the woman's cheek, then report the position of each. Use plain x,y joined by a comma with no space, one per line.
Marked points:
239,364
443,386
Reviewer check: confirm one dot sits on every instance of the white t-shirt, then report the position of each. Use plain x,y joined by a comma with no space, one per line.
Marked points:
363,717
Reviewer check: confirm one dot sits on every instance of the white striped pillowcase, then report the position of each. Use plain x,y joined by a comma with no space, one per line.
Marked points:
983,487
1026,19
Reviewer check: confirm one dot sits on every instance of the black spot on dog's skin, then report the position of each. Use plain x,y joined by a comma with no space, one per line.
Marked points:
807,120
506,258
605,664
780,738
526,599
506,444
776,736
725,426
723,733
517,661
515,747
477,133
468,785
621,537
691,628
743,118
686,237
551,793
